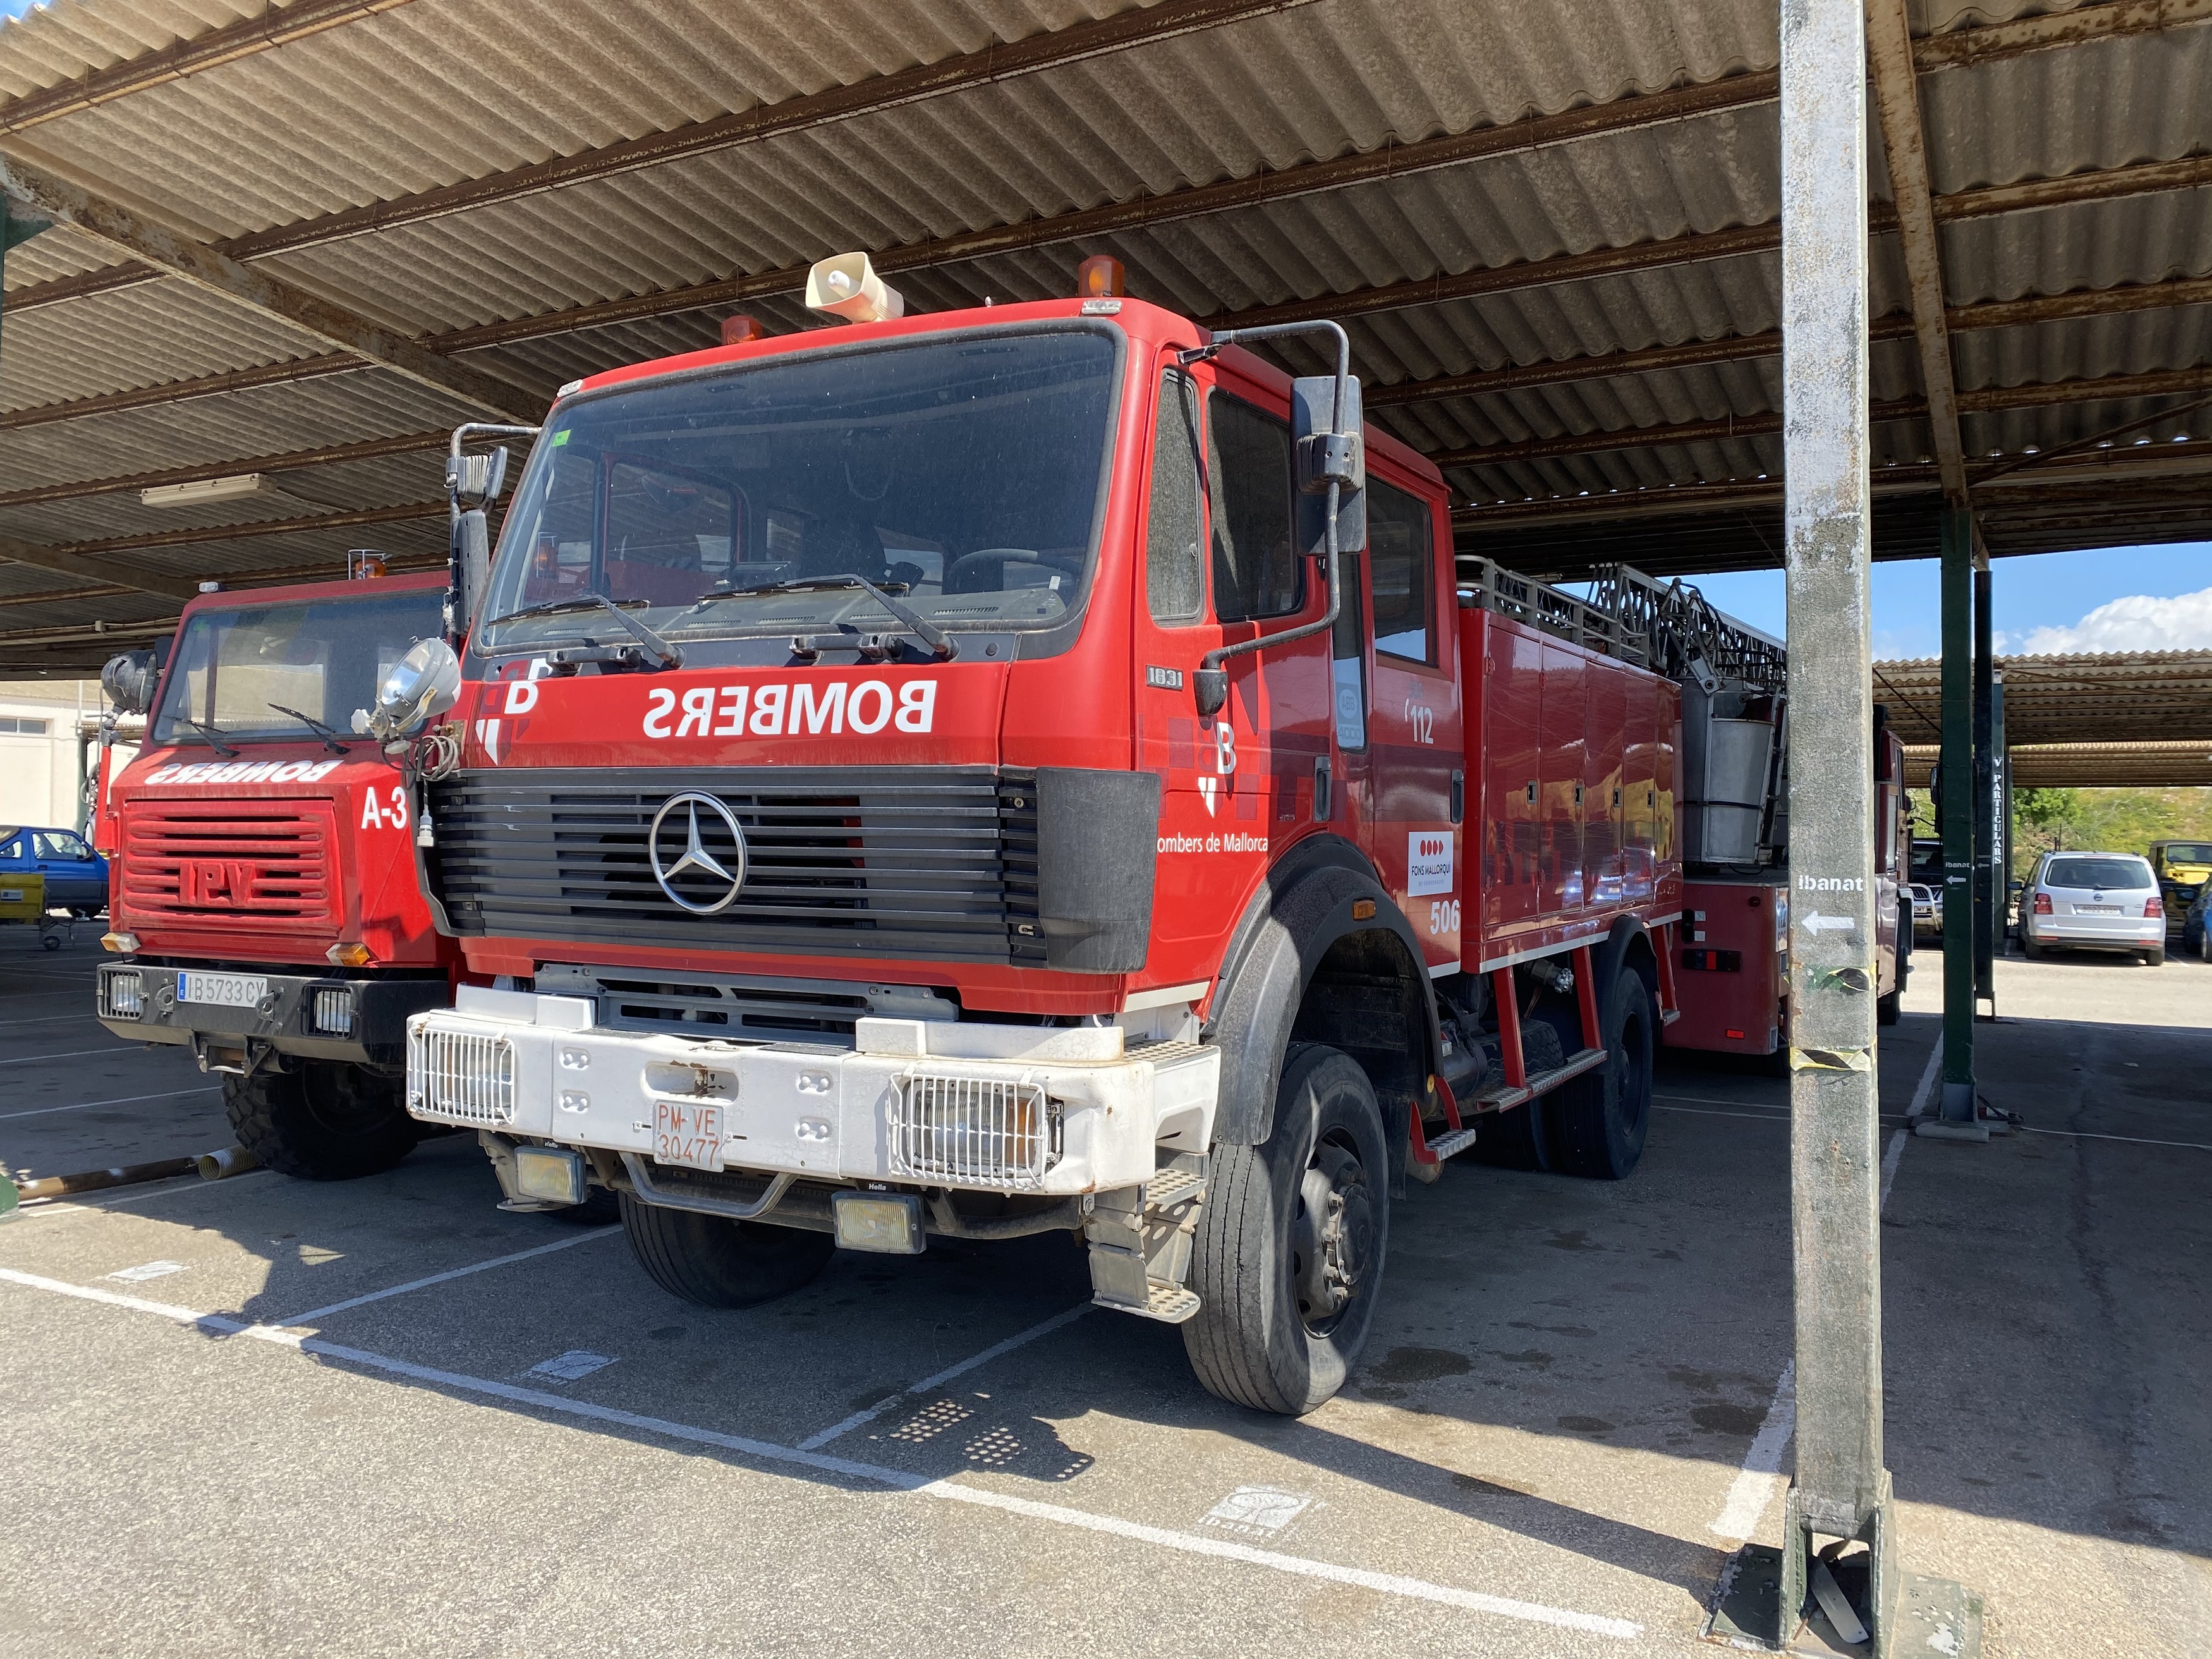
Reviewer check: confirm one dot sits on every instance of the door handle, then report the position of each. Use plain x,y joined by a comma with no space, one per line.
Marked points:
1458,795
1323,806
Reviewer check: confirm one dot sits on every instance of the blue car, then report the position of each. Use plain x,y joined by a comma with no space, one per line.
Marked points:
77,877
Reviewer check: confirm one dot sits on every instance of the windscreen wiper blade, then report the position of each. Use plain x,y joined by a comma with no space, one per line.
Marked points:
669,655
329,735
215,736
927,632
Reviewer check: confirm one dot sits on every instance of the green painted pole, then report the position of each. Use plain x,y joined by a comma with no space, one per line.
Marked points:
1986,887
1959,814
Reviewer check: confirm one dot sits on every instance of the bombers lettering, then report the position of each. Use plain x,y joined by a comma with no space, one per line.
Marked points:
793,709
244,772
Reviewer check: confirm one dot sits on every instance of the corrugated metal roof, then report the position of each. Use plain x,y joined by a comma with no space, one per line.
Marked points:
434,93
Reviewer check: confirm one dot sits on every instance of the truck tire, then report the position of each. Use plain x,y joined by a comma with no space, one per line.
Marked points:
320,1121
1600,1120
1288,1259
1889,1010
720,1263
1520,1137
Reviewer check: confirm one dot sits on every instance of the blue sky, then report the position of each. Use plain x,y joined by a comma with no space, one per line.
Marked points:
15,7
2112,600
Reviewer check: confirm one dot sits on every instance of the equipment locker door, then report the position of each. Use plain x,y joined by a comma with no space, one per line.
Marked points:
1560,771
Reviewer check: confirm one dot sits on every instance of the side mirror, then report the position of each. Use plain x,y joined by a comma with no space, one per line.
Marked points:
1328,450
129,679
422,685
477,479
471,560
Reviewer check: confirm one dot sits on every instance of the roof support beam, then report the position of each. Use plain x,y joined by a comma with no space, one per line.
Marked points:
1897,99
370,449
278,26
78,563
178,255
2162,383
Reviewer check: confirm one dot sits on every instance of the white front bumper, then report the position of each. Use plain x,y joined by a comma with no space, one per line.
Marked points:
534,1066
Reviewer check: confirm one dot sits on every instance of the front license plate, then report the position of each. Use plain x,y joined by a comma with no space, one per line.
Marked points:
687,1133
222,990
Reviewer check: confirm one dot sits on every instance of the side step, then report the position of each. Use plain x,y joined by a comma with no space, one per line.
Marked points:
1504,1098
1140,1239
1445,1146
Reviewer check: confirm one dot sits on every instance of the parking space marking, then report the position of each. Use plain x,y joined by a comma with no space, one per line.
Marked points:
119,1047
146,1270
823,1438
1752,1492
120,1100
312,1313
2132,1140
9,1025
1417,1590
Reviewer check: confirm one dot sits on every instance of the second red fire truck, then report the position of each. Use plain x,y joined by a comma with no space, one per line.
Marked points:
1042,768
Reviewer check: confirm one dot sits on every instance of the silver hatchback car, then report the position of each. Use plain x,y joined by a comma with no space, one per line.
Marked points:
2093,902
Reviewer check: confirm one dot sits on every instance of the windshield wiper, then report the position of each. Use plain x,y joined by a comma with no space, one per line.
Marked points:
214,736
669,655
927,632
329,735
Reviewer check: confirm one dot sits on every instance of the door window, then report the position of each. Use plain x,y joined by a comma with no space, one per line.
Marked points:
59,844
1256,568
1402,555
1175,569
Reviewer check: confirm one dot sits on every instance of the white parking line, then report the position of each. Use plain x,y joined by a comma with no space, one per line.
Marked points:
120,1100
897,1480
9,1025
451,1274
119,1047
813,1442
1753,1491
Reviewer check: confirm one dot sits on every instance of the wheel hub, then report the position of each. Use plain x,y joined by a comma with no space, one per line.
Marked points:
1332,1239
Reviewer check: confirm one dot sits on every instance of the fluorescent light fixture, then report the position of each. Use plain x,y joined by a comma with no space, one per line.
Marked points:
204,489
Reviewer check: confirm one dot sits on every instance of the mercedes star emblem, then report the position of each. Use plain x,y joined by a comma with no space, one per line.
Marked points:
694,857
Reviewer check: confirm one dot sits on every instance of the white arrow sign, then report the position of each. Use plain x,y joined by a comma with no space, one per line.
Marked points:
1816,924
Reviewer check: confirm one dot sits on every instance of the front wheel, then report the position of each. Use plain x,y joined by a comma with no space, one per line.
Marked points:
324,1120
1288,1258
717,1262
1601,1117
1889,1010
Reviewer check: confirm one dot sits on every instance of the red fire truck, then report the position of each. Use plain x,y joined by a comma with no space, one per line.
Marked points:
264,903
1026,769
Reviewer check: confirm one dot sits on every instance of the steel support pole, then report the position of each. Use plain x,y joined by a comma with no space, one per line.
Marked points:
1841,1490
1986,785
1957,821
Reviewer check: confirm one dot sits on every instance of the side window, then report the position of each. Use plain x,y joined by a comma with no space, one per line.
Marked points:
1402,556
1175,569
1256,561
560,544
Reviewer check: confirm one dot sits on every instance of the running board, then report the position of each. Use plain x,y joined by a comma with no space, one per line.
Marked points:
1505,1097
1445,1146
1169,1303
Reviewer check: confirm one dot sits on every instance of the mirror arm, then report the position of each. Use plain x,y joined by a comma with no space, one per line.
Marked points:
459,503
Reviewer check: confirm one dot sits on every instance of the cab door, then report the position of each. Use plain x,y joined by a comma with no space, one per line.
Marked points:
1415,753
1220,566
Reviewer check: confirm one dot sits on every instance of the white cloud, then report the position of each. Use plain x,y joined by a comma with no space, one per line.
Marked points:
2138,622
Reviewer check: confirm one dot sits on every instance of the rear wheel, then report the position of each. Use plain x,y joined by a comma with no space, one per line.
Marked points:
1291,1241
1601,1118
320,1121
720,1263
1888,1009
2205,941
2028,947
1521,1138
2154,957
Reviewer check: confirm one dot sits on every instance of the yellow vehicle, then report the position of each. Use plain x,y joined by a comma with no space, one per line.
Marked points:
2181,869
23,900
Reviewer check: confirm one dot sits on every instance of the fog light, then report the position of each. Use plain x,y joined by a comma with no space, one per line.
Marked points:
333,1011
553,1174
121,944
124,995
888,1223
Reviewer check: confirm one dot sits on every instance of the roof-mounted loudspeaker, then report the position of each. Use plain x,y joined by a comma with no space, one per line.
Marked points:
847,287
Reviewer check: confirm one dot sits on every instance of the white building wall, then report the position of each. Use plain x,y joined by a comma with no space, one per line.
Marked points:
39,776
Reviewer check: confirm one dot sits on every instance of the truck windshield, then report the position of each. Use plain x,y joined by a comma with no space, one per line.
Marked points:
963,474
248,673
